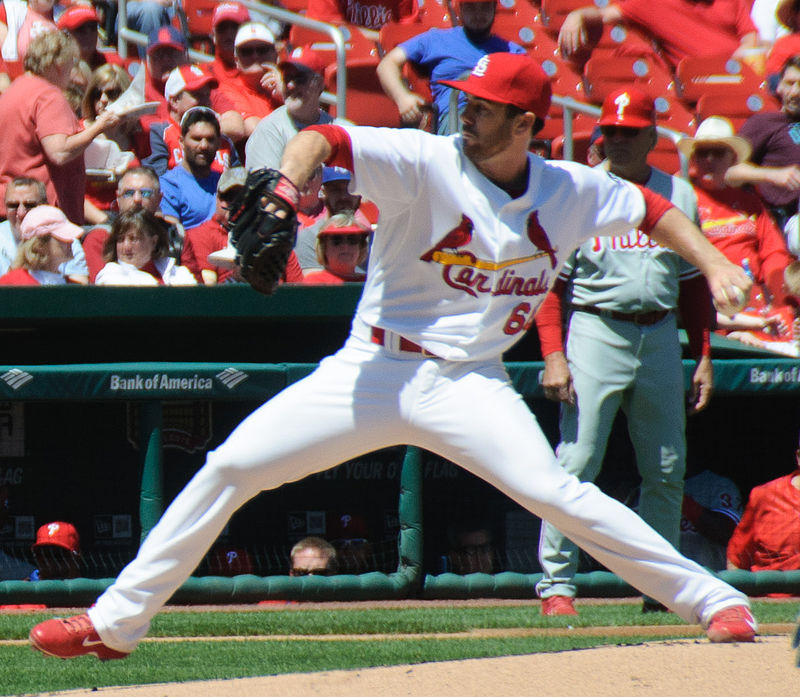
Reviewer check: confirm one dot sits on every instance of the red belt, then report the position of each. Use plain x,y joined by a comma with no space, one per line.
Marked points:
379,337
643,318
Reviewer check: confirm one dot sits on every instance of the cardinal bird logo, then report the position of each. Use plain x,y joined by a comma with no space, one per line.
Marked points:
457,237
538,236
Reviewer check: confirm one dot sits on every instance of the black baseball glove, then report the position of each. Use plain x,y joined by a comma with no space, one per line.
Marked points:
264,238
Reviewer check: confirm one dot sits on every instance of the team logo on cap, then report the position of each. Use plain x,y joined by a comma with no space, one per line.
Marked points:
480,67
622,101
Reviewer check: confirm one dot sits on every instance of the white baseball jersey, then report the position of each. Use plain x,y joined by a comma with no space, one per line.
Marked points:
476,282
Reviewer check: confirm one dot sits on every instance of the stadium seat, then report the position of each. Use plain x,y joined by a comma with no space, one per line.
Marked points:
434,13
357,44
393,33
527,32
554,12
367,103
665,156
737,107
716,75
603,74
671,113
580,146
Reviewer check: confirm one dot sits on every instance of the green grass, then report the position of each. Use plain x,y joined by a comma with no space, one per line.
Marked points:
23,671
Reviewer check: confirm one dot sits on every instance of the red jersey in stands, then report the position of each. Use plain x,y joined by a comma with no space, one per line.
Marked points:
371,14
768,536
692,27
248,98
18,277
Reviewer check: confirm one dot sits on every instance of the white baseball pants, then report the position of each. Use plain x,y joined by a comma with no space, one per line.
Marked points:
367,397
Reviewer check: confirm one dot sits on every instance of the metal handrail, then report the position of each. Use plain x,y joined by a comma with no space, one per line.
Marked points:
336,34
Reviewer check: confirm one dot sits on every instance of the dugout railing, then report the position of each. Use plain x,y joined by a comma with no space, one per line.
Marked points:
71,311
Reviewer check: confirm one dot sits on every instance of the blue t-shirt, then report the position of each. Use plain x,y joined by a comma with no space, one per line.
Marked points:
446,54
190,200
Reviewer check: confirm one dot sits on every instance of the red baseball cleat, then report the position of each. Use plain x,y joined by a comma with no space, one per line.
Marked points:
732,624
70,638
558,605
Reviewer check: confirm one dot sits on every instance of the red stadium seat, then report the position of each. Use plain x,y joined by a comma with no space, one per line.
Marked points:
393,33
357,44
603,74
434,13
367,103
717,75
737,107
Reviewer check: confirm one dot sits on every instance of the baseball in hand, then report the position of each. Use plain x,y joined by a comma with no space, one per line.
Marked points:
735,300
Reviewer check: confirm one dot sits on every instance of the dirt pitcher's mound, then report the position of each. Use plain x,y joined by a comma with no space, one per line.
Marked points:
689,668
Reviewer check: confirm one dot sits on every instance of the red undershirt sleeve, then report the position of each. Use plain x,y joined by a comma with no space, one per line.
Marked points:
550,319
655,207
339,140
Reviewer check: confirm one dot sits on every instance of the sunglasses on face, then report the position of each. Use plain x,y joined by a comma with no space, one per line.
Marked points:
144,193
259,50
718,151
624,131
111,93
13,205
337,240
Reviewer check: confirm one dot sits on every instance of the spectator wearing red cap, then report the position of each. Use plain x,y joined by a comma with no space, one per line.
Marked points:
57,551
42,137
46,239
370,14
682,28
342,246
257,90
303,85
188,86
82,22
167,50
444,54
620,295
227,18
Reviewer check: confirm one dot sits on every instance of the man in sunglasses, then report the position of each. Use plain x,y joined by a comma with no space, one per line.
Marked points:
137,188
303,85
258,89
620,295
22,195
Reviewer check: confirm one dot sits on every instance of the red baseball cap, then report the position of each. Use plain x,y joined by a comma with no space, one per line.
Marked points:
230,12
508,78
628,107
305,57
76,15
59,534
187,77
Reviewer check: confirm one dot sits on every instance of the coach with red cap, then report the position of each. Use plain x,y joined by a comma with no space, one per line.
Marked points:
621,295
472,232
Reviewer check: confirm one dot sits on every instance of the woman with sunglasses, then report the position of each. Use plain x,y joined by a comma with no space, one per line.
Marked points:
107,84
342,245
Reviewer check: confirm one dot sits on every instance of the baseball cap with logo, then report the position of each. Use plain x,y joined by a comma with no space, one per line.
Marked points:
305,57
166,36
187,77
49,220
59,534
335,174
254,31
77,15
628,107
508,78
230,12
